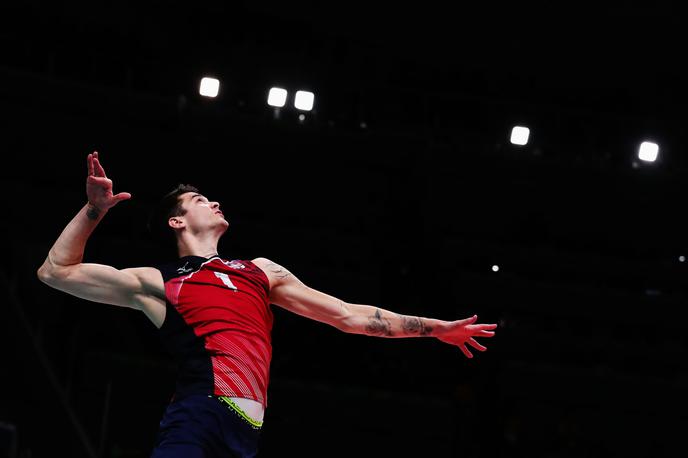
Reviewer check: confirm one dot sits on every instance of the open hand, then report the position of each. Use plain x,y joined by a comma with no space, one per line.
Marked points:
99,186
462,332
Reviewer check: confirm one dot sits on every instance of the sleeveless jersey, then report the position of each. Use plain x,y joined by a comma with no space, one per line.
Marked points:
217,326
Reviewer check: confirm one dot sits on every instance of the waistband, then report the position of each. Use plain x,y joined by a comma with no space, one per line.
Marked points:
255,424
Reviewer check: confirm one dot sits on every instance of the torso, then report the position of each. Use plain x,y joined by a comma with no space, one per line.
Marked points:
217,328
153,304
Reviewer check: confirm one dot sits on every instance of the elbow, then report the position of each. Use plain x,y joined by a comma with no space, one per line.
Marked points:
344,326
44,273
349,324
50,274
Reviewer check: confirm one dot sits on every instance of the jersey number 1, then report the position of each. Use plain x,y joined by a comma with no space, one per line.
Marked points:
225,279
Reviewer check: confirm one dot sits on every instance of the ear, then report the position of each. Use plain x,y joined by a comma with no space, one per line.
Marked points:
176,222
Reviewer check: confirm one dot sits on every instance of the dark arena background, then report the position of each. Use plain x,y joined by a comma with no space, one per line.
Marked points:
400,188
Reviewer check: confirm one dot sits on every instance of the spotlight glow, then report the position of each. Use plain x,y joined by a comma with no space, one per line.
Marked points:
648,151
277,97
210,87
304,100
519,135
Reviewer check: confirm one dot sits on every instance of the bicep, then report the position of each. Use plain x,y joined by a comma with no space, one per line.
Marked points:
99,283
310,303
290,293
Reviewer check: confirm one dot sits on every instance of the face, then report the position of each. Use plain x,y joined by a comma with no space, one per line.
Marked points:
201,215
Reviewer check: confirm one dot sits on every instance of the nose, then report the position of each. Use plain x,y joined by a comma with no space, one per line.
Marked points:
215,205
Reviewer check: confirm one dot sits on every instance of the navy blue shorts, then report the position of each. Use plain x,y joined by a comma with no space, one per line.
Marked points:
202,426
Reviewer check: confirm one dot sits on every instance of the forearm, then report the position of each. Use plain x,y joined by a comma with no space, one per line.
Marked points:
375,321
69,247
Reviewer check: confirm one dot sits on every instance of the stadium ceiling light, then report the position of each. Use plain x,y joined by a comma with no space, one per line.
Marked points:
277,97
519,135
648,151
210,87
304,100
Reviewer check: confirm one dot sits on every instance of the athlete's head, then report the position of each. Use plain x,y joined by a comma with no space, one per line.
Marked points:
185,211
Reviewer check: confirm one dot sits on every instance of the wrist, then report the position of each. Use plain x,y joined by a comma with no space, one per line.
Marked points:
93,211
435,327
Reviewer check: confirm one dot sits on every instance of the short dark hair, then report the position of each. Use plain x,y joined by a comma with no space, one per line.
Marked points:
169,206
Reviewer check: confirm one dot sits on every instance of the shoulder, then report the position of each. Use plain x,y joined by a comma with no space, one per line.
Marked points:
262,262
179,267
269,265
276,273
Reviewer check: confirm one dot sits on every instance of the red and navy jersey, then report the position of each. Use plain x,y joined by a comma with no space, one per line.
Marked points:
217,326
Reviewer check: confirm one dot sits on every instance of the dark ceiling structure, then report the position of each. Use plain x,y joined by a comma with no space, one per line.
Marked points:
400,189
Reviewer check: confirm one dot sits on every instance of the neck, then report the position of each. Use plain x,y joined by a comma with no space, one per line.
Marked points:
197,246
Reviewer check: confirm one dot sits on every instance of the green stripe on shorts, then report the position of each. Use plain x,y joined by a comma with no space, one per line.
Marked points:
233,405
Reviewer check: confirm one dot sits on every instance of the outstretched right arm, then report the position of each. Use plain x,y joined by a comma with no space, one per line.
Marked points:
63,268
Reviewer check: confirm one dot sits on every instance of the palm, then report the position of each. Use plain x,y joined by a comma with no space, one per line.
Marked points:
99,186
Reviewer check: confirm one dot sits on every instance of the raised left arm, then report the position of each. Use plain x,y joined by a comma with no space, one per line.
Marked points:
290,293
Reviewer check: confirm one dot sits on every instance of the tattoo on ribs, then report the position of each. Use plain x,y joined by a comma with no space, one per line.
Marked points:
379,326
415,325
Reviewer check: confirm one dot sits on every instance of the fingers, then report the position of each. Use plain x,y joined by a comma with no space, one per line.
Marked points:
89,164
97,167
465,350
484,334
482,330
472,342
122,196
470,320
482,327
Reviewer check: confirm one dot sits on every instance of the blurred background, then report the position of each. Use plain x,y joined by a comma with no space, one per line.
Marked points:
400,182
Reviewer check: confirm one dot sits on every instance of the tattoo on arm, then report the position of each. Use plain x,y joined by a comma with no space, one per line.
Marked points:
415,325
379,326
92,213
279,271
